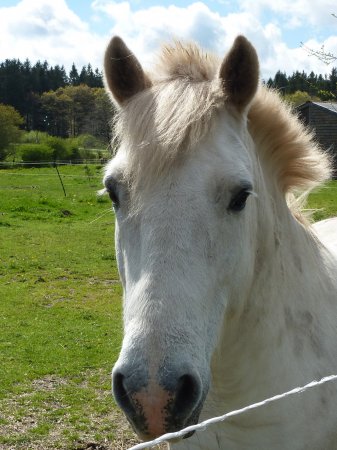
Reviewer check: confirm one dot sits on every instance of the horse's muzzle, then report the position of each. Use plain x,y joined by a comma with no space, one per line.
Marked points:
154,407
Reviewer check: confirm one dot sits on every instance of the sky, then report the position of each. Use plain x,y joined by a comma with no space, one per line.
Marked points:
67,31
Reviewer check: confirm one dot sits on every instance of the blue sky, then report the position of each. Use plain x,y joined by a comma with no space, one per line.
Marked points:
66,31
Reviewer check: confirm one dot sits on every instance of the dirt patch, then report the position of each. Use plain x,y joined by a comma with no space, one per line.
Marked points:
95,281
44,417
48,383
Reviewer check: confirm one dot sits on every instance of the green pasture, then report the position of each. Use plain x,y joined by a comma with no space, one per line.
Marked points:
323,201
60,309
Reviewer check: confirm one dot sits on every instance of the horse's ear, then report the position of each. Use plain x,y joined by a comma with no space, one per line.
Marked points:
124,75
239,73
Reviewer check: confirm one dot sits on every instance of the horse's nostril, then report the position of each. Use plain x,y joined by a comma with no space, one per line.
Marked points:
118,384
154,407
188,394
121,394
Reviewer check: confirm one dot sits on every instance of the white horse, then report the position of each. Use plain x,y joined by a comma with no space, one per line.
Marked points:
230,296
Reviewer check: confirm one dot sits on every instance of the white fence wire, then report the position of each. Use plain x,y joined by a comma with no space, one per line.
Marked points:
203,425
74,162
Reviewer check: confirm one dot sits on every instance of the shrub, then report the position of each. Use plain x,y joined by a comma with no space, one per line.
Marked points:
38,146
74,153
36,153
73,149
88,141
59,148
87,154
10,121
34,137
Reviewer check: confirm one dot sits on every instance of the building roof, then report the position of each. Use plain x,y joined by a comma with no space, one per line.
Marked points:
330,106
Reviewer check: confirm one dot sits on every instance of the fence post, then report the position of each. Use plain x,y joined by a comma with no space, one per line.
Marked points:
58,173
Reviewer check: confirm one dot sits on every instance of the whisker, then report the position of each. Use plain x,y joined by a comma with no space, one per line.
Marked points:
106,212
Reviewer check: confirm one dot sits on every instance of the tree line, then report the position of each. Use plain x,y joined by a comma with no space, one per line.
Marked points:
72,104
320,87
18,80
50,100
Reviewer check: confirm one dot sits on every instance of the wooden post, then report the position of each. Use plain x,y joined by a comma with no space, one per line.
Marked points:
58,173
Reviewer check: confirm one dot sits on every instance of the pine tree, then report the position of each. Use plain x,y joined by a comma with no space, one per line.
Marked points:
83,78
74,78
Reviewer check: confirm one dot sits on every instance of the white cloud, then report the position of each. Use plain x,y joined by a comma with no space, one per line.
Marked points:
145,29
47,30
295,13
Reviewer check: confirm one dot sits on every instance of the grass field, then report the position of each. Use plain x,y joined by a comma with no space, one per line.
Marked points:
60,310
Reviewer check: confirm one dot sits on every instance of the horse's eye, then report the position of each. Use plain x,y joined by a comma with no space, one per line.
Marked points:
238,201
114,197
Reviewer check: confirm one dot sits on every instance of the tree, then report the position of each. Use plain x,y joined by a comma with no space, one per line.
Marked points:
103,112
324,56
90,78
328,92
73,76
83,78
297,82
75,110
98,79
280,82
58,77
81,108
10,121
56,107
298,98
333,81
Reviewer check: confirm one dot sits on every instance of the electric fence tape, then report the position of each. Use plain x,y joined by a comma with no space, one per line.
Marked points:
203,425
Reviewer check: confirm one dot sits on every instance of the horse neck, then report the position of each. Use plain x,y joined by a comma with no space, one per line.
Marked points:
265,347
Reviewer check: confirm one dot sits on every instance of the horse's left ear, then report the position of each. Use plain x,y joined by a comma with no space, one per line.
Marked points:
239,73
124,75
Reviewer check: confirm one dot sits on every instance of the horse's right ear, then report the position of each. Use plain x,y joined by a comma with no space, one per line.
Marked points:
124,75
239,73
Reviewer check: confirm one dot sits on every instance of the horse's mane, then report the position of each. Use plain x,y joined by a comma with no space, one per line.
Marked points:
165,122
161,124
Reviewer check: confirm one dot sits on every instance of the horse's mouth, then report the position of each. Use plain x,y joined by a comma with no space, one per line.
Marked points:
139,426
189,434
146,437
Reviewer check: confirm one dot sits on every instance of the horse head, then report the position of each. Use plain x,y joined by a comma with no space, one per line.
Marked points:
182,184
